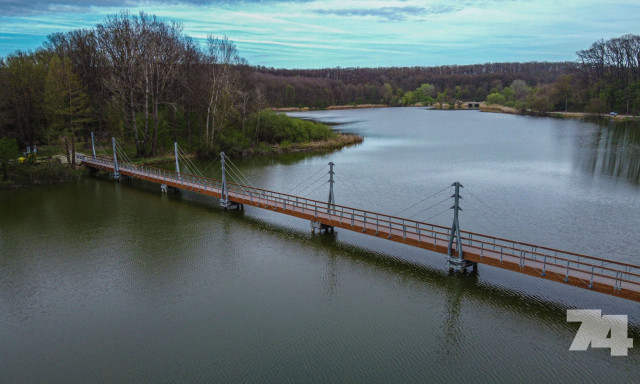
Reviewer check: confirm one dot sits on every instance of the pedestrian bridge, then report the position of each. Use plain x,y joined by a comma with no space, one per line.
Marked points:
464,250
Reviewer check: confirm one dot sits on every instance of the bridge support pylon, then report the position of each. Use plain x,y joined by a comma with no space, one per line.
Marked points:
224,195
457,263
116,169
330,206
164,187
93,145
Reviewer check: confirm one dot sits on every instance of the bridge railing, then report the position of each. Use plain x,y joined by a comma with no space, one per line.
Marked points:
574,264
160,174
547,260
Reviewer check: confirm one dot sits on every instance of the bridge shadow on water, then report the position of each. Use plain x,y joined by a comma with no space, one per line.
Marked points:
431,274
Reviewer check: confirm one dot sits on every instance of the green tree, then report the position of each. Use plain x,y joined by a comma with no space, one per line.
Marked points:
425,92
563,92
508,93
408,98
386,93
520,90
540,98
66,102
289,96
23,94
596,105
8,151
496,98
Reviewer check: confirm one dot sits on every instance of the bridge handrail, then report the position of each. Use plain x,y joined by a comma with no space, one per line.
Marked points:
310,203
407,226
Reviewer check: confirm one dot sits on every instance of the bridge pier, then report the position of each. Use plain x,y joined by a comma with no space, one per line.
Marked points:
164,188
228,204
460,266
321,227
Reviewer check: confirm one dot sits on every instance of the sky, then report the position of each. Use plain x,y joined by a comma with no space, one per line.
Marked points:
352,33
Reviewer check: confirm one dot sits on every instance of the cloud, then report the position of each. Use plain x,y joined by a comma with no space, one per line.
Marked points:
392,13
388,13
35,7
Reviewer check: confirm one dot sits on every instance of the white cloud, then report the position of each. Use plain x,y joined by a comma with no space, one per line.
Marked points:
362,33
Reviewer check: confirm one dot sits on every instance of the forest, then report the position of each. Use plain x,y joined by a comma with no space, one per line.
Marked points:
146,82
604,78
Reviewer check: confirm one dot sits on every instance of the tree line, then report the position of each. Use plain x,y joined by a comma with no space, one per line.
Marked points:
604,78
319,88
610,70
143,80
133,76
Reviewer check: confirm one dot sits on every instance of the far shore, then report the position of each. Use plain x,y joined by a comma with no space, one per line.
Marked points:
482,106
467,105
558,114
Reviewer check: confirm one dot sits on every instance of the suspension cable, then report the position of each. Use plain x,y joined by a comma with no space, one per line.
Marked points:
124,158
235,177
193,170
101,149
305,180
436,215
314,190
213,162
312,184
423,200
529,222
187,160
246,180
430,207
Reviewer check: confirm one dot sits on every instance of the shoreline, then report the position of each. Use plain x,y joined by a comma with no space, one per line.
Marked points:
54,171
557,114
44,172
343,140
463,106
483,107
331,108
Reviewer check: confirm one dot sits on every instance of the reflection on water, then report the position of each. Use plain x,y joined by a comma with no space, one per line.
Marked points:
115,282
614,150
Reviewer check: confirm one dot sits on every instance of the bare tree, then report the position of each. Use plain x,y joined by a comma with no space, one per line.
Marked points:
222,58
119,40
165,51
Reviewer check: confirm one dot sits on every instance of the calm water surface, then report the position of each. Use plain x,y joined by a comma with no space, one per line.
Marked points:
114,282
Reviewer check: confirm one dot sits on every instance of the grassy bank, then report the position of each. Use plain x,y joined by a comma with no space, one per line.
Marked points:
265,133
499,109
338,142
40,173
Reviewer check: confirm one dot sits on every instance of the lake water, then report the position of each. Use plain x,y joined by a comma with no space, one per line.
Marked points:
115,282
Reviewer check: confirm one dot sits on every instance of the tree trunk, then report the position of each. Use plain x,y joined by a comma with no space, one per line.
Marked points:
133,123
189,127
66,149
213,120
174,125
146,118
73,151
155,126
